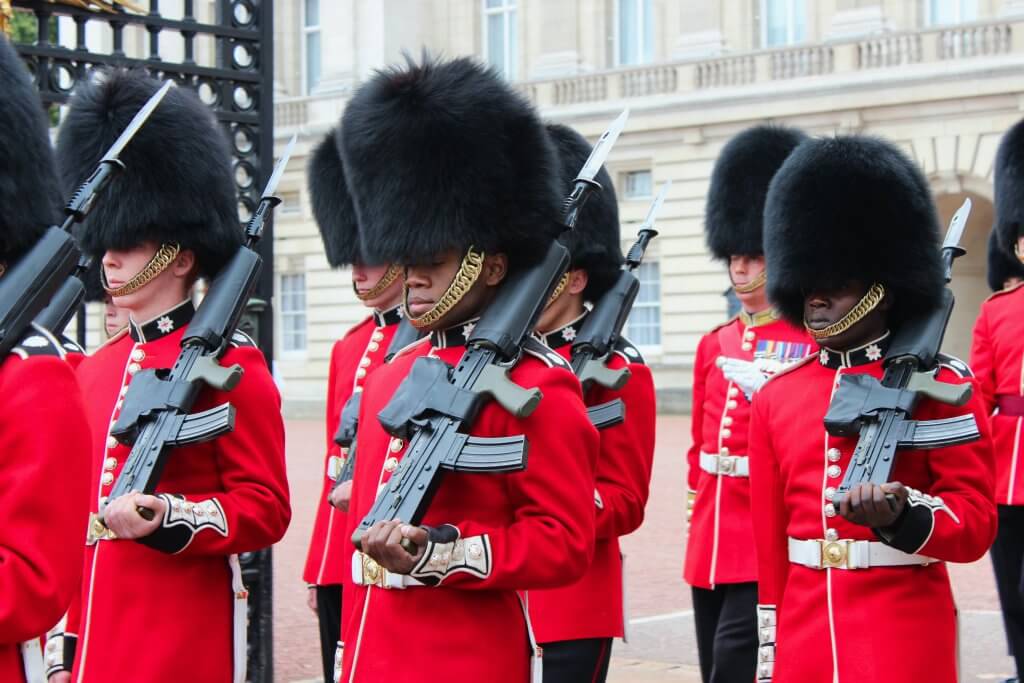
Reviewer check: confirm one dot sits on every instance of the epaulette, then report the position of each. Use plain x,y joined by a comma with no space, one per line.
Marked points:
70,345
629,352
953,363
38,342
549,357
1002,292
240,339
790,367
728,322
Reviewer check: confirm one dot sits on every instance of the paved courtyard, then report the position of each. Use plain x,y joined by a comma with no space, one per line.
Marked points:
661,647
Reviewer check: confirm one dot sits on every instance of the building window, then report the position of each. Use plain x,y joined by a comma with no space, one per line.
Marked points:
293,313
644,324
290,203
940,12
500,36
638,185
311,40
783,22
634,32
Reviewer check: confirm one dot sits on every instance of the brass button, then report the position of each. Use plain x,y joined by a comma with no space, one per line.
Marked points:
364,362
833,454
746,346
391,464
748,335
110,463
111,443
830,493
733,392
124,391
377,336
396,445
726,433
133,368
830,510
834,471
731,404
361,373
475,551
727,421
138,355
108,478
372,346
723,451
831,535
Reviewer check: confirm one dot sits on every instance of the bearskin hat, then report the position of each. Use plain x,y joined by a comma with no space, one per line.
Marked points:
1000,264
332,204
739,182
851,208
1009,187
29,190
594,243
445,155
177,185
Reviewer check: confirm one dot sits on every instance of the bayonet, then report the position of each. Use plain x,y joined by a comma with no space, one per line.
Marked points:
585,184
282,163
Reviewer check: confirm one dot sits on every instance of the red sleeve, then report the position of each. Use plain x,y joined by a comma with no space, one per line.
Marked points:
705,355
252,509
626,457
982,361
767,504
44,451
550,541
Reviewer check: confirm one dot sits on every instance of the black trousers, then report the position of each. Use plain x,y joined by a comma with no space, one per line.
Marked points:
1008,561
328,609
577,661
726,620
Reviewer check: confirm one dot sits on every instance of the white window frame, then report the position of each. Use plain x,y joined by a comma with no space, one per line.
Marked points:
929,20
642,58
511,52
306,31
790,24
626,195
657,304
283,314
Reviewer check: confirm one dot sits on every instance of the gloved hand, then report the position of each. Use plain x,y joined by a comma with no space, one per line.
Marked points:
748,375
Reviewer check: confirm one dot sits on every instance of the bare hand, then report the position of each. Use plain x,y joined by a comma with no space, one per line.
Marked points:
311,599
341,495
383,541
60,677
122,517
867,505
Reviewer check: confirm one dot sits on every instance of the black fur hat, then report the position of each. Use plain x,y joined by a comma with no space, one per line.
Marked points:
332,204
177,185
594,245
29,192
739,182
444,155
1009,186
851,208
1000,264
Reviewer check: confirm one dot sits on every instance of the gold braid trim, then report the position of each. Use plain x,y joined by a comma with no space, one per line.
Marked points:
470,269
163,257
385,281
868,303
753,285
559,288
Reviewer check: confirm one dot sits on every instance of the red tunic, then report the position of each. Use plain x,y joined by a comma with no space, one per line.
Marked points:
593,606
721,537
521,531
997,358
860,624
44,439
353,358
164,608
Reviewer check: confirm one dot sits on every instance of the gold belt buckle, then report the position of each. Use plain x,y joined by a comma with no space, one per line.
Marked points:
726,464
373,573
98,531
834,554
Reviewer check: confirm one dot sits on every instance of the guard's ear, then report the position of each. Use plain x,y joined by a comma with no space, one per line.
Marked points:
495,268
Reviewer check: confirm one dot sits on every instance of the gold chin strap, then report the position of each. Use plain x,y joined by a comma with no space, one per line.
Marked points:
559,288
163,257
868,303
386,280
470,269
753,285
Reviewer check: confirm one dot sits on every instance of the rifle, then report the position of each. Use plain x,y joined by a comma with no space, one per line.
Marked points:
348,424
435,406
879,411
603,327
31,282
156,415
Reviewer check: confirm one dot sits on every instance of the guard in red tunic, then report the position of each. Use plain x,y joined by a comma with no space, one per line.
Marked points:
361,351
842,584
44,438
453,173
163,599
997,357
731,361
575,624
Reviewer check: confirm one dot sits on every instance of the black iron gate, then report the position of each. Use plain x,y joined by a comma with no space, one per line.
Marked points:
230,65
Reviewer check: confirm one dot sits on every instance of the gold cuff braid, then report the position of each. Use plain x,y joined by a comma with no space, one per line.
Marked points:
385,281
470,269
163,257
753,285
868,303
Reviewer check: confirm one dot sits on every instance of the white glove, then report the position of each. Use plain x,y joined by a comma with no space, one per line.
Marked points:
748,375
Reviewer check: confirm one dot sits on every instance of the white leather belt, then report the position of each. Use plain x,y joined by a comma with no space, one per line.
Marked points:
334,465
366,572
725,465
820,554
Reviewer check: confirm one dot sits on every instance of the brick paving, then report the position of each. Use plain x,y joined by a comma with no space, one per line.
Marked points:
661,647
